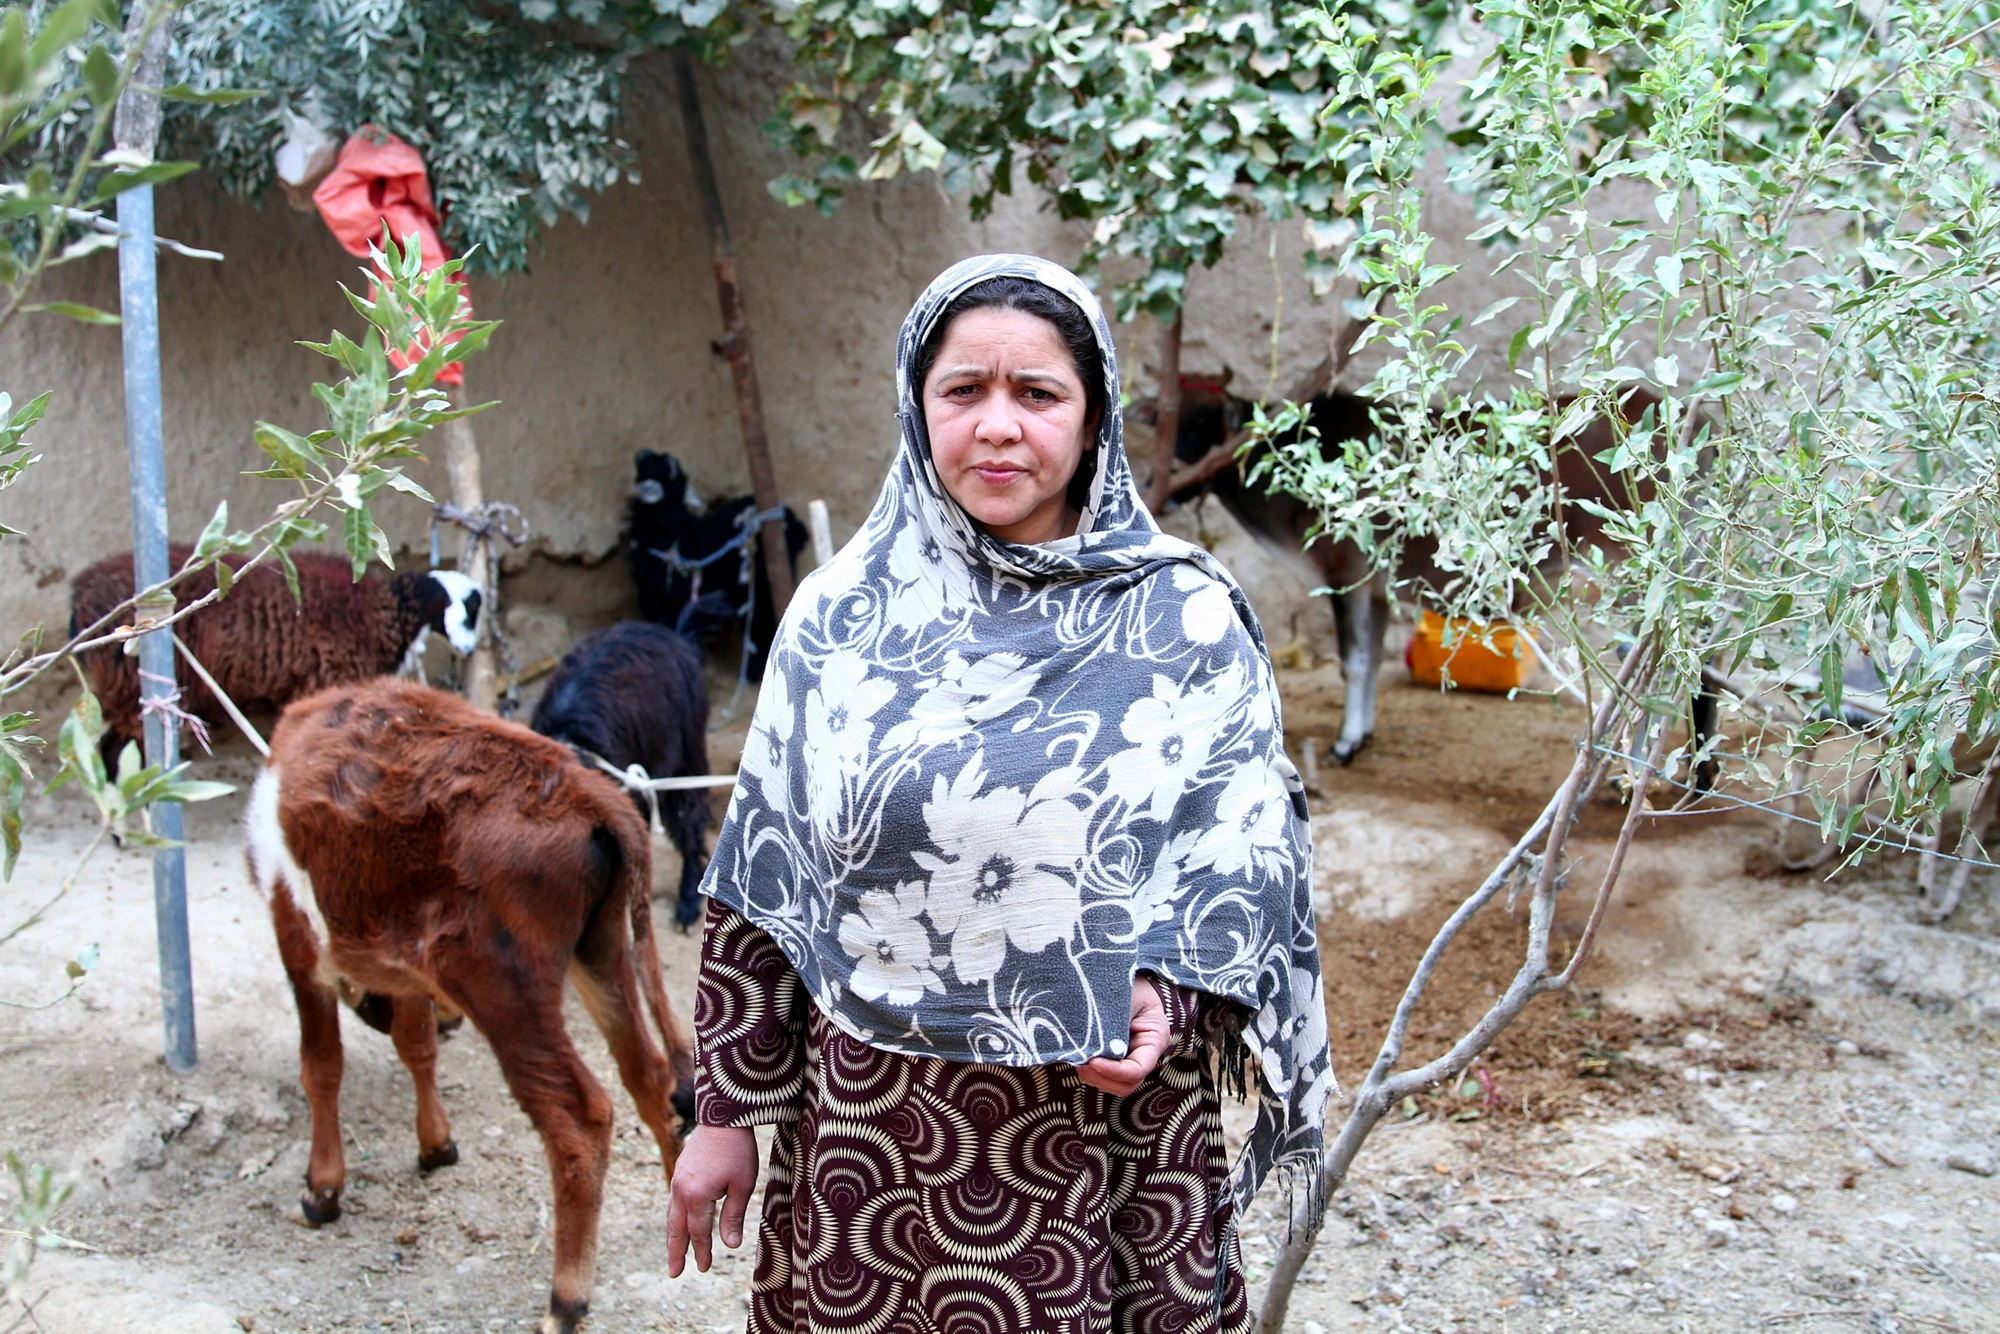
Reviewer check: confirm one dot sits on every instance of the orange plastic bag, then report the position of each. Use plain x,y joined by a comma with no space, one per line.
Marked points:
380,179
1497,670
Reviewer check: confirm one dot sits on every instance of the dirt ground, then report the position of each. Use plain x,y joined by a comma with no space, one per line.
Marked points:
1744,1117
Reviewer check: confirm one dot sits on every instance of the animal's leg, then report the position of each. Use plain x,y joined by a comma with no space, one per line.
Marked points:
609,987
108,747
680,1047
567,1105
1702,712
687,911
320,1057
371,1008
688,824
413,1026
1361,619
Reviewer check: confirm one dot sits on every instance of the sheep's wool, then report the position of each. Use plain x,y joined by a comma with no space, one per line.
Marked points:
986,783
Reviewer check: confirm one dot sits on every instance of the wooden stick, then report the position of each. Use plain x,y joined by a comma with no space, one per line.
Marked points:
1167,428
468,492
822,531
1867,1141
222,698
734,345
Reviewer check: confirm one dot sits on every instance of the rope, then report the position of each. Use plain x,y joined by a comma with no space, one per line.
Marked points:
222,698
483,522
749,527
167,707
635,779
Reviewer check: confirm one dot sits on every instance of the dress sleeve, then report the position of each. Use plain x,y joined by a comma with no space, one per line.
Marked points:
749,1023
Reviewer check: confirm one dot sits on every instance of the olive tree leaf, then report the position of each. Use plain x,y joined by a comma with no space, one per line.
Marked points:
75,310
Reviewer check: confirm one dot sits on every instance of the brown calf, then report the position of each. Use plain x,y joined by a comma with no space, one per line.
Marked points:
417,848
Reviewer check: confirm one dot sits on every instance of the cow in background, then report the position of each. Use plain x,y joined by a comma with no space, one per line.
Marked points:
1210,418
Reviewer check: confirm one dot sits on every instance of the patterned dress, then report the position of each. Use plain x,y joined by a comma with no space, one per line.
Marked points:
909,1195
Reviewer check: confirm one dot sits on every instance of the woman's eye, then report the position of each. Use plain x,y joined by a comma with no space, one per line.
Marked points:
961,391
1040,396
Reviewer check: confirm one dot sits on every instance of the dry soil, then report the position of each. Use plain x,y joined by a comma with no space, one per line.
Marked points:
1744,1117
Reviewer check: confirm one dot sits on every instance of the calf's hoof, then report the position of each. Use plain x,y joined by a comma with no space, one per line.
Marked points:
687,911
564,1316
1345,750
320,1205
444,1155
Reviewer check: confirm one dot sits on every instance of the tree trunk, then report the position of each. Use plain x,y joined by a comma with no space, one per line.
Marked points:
734,345
1611,731
461,461
1168,428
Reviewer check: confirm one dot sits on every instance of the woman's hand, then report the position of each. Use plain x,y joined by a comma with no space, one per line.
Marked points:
719,1162
1150,1039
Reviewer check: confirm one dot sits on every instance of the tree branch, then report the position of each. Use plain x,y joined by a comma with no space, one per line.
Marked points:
1381,1089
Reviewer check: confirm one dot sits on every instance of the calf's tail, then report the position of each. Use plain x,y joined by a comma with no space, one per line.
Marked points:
653,982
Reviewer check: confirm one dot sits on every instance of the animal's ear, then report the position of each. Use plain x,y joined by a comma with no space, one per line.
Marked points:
643,461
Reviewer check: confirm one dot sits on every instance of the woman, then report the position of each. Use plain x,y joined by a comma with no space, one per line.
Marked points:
1014,853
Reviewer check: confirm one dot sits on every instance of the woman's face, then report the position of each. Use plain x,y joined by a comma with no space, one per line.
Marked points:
1008,423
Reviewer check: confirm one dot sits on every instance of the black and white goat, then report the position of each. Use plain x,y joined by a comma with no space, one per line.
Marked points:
694,561
266,649
634,695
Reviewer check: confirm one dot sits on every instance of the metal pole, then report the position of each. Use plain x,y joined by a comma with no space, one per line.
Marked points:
138,299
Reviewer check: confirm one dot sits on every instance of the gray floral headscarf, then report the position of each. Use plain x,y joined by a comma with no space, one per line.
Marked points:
987,783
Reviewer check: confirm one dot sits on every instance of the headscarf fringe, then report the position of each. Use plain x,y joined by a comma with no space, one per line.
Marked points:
1232,1053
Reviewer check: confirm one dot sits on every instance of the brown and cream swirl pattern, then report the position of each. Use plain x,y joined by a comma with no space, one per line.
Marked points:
914,1196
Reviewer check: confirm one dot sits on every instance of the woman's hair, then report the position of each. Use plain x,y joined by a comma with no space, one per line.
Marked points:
1029,296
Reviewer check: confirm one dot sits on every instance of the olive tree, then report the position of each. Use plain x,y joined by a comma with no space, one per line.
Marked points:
1777,221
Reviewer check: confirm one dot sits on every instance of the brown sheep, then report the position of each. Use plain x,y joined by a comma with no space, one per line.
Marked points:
426,851
264,648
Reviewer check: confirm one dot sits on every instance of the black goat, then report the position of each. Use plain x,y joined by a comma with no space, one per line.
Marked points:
634,694
689,558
